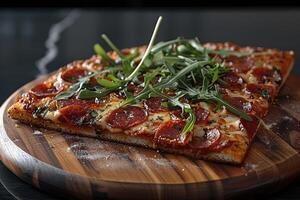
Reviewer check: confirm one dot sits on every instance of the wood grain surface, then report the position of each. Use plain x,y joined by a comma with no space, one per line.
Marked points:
87,168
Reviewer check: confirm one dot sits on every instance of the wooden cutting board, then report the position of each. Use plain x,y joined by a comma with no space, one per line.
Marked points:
88,168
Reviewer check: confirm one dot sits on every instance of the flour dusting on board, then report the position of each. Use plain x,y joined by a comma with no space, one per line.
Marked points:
90,151
37,132
249,167
106,153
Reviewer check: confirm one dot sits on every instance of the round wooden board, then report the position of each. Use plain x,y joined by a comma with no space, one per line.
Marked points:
88,168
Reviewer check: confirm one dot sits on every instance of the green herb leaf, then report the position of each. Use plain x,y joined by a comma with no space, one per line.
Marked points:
112,46
101,52
162,45
107,83
182,66
127,68
89,94
184,71
190,122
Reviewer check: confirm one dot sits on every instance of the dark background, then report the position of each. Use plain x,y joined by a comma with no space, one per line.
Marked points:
24,31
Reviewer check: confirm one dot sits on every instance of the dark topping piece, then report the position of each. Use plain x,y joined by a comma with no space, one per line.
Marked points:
126,117
44,90
132,87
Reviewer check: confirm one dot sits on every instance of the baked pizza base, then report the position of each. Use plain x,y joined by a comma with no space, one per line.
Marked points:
234,153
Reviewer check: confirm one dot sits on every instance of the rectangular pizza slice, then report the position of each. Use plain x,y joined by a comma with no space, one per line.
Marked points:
180,96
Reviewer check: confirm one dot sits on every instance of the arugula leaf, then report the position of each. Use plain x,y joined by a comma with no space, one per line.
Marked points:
127,68
101,52
73,89
190,122
111,44
181,65
183,72
89,94
70,92
107,83
113,83
161,45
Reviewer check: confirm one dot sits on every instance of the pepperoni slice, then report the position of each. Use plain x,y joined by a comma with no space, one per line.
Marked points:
28,101
250,127
238,102
241,64
266,91
232,81
153,104
83,103
210,139
76,111
44,90
253,88
265,74
201,115
260,107
73,74
169,134
262,74
72,113
126,117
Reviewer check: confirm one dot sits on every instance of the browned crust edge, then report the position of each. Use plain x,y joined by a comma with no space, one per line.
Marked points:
233,153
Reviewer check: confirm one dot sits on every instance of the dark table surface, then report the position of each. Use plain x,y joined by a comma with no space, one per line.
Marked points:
36,41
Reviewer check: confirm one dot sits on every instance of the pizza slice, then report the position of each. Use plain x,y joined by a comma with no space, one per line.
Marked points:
180,96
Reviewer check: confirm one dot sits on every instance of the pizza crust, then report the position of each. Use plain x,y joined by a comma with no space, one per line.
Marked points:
233,153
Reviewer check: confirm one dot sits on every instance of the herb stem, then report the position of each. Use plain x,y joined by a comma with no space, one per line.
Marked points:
111,44
133,74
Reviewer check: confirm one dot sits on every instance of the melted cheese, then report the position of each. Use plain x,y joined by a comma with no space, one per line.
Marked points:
150,126
52,115
104,112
